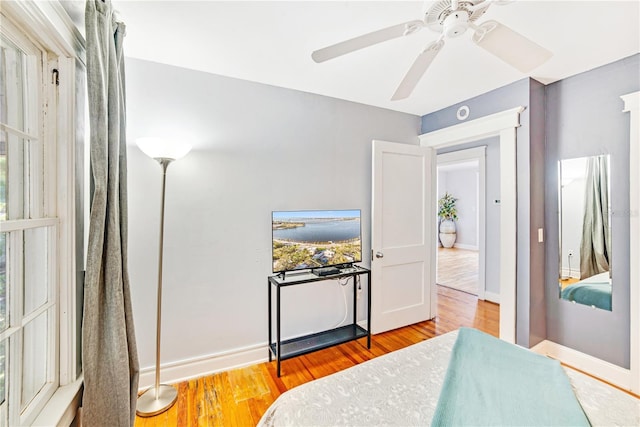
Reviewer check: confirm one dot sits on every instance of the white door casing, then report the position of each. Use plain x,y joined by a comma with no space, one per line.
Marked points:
632,105
403,236
502,124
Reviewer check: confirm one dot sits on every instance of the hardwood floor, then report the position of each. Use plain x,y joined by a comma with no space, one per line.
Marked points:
458,269
566,282
240,397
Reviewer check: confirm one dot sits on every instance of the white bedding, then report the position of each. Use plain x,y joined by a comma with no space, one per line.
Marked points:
401,388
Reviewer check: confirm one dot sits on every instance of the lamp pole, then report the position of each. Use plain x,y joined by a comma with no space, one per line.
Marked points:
164,396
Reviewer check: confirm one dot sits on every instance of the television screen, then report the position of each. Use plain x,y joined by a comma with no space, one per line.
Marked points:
312,239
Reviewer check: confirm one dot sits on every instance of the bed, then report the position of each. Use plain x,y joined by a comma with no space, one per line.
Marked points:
594,291
402,388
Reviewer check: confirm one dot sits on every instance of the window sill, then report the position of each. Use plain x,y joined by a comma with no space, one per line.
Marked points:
63,405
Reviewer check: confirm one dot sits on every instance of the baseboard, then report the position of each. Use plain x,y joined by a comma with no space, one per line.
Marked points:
599,368
492,297
573,274
465,246
196,367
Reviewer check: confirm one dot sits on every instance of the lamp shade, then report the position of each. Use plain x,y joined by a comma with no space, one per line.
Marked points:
158,148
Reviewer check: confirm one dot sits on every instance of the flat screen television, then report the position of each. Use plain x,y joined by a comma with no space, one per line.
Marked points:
313,239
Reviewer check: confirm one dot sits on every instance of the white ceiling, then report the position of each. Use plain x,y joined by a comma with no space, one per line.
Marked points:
271,42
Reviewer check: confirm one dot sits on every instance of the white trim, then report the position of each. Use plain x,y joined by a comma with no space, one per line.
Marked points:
61,408
492,296
508,236
26,224
501,124
465,246
182,370
51,22
574,274
483,127
479,154
35,313
66,210
6,128
632,105
597,367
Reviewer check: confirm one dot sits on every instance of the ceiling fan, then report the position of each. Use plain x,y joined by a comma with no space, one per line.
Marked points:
450,18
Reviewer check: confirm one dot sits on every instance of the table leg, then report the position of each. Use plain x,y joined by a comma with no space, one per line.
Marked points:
355,298
369,310
278,326
269,343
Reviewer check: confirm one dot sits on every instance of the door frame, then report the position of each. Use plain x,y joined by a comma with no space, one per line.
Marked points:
479,154
504,125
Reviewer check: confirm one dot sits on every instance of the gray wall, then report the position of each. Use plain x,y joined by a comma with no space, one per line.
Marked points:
585,118
530,259
463,185
257,148
537,209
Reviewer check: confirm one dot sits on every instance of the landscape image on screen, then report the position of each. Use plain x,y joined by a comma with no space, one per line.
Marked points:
312,239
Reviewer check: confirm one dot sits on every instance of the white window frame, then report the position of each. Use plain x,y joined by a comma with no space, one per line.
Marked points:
39,183
47,24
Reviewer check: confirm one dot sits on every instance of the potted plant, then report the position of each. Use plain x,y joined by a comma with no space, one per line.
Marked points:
448,214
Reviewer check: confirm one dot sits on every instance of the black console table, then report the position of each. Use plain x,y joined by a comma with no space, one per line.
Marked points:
283,350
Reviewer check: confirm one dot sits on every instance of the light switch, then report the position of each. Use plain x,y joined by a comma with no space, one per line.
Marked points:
540,235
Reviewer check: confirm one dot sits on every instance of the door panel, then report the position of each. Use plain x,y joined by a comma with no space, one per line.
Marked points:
406,292
402,267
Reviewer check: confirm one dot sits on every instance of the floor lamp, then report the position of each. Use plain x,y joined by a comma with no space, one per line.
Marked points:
162,396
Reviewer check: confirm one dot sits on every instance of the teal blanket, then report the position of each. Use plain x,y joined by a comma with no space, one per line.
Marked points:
490,382
589,293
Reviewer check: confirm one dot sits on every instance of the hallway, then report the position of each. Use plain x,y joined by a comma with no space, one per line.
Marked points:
458,269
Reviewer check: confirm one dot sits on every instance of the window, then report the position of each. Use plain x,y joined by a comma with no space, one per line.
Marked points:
28,230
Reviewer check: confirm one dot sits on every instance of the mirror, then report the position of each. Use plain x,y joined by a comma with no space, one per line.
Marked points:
585,231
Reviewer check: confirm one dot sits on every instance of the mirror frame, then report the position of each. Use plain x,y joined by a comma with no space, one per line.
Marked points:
632,106
585,288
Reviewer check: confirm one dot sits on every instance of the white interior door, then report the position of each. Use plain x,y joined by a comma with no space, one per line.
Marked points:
402,238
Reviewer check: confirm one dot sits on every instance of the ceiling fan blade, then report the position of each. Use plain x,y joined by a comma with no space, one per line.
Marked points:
417,70
366,40
510,46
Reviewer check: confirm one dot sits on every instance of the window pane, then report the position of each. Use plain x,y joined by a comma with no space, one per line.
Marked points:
3,282
12,190
4,347
12,78
36,274
3,176
35,353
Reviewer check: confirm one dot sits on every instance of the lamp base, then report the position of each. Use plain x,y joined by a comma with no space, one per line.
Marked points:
148,405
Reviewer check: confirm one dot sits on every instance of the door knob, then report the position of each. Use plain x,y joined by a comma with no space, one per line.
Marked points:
379,255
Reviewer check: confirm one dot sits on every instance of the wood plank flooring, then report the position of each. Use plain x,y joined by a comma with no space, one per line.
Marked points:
240,397
566,282
458,269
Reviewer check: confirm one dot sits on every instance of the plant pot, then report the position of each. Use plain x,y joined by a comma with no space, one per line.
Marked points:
447,239
447,226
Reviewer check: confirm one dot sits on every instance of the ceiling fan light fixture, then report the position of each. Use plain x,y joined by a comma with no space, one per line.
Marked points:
456,23
510,46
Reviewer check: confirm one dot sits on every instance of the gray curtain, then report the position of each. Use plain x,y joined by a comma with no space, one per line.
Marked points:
109,356
595,247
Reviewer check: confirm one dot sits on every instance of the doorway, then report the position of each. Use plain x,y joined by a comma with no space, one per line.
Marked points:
460,255
502,125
